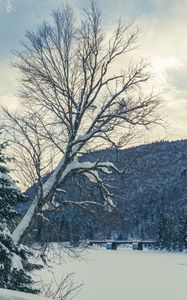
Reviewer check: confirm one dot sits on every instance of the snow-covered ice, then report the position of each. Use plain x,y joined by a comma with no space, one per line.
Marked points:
128,275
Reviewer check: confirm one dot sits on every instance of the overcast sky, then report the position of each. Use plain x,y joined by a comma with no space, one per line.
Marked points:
163,41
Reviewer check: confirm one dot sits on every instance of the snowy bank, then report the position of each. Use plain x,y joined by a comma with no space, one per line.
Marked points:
13,295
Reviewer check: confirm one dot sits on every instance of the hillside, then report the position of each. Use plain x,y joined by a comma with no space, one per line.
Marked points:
153,187
155,183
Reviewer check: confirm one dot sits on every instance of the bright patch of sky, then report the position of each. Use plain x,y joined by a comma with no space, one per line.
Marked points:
163,41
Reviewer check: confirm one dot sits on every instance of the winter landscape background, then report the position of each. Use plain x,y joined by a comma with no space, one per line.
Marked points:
93,150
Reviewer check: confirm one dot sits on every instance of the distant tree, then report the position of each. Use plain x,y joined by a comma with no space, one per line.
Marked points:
162,232
14,264
172,232
72,102
182,232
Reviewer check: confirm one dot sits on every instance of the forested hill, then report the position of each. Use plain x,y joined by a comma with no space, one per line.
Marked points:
155,187
151,194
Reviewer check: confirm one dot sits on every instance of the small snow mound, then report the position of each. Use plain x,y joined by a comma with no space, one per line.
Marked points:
16,262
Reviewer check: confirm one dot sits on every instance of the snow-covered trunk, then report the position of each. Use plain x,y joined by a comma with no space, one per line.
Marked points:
25,222
63,168
48,189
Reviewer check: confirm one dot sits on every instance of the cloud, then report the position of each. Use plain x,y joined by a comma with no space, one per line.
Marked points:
8,75
10,101
9,6
6,6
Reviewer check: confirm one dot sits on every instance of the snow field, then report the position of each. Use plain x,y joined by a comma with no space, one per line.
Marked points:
126,275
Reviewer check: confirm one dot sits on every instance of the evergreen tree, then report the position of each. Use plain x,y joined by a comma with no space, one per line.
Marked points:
182,232
10,196
14,264
172,232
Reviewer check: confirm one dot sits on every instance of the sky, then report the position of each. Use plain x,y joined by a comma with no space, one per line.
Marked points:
163,41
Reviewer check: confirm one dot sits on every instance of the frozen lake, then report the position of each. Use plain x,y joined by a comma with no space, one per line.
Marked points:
128,275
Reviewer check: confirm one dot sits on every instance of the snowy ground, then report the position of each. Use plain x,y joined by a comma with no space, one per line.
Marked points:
13,295
128,275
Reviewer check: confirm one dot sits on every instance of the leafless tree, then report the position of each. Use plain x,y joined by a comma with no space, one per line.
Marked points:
73,101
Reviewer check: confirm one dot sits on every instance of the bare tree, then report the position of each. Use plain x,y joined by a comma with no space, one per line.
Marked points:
72,101
65,289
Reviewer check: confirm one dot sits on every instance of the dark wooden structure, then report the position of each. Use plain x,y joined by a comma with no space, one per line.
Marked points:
113,244
137,246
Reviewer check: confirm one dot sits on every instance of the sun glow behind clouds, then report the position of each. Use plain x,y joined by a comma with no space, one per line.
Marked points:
9,101
162,64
